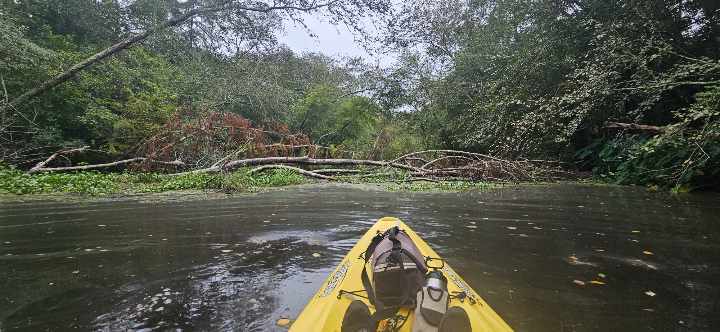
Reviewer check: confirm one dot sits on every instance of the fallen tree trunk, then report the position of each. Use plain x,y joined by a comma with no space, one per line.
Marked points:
235,164
311,161
42,164
465,165
100,166
295,169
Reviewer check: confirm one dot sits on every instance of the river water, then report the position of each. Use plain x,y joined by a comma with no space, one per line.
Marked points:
546,258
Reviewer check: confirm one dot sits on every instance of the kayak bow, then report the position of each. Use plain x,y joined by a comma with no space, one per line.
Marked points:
327,308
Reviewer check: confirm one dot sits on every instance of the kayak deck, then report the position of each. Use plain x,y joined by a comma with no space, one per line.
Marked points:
326,309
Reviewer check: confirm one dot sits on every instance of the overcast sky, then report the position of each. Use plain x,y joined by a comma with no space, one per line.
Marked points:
331,40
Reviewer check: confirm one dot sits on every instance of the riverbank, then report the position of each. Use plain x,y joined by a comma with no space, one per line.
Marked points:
18,183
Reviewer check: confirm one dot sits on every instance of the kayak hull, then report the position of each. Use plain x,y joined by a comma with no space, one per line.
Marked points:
326,309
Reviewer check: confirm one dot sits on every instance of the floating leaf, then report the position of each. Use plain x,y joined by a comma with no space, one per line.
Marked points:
283,322
579,282
648,252
597,282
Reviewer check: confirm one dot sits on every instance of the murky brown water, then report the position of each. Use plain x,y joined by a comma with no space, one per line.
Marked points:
241,263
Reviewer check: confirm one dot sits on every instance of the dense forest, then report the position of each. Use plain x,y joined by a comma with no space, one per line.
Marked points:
629,90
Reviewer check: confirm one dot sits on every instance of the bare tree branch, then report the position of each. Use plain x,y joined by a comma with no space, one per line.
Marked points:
176,163
295,169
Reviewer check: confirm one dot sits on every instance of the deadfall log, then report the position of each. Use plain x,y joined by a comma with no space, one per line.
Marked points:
41,165
295,169
105,165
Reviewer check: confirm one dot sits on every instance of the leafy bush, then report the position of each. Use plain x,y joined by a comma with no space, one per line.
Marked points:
685,156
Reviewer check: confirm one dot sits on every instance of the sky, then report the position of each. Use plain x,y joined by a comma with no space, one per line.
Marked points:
335,41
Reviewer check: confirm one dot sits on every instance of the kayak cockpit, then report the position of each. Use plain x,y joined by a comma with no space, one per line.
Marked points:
393,281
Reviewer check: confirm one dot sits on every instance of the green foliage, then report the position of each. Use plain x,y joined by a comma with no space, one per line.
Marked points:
542,78
513,78
242,180
330,118
14,181
685,156
225,61
18,53
120,102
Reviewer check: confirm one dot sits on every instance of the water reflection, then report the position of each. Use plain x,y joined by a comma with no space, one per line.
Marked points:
546,258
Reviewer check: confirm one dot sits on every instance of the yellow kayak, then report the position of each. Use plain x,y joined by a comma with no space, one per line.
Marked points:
328,308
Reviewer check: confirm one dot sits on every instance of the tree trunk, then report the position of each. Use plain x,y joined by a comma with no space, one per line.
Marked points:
295,169
36,169
132,40
72,71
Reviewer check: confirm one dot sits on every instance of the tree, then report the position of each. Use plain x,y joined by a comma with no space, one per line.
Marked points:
219,16
542,78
